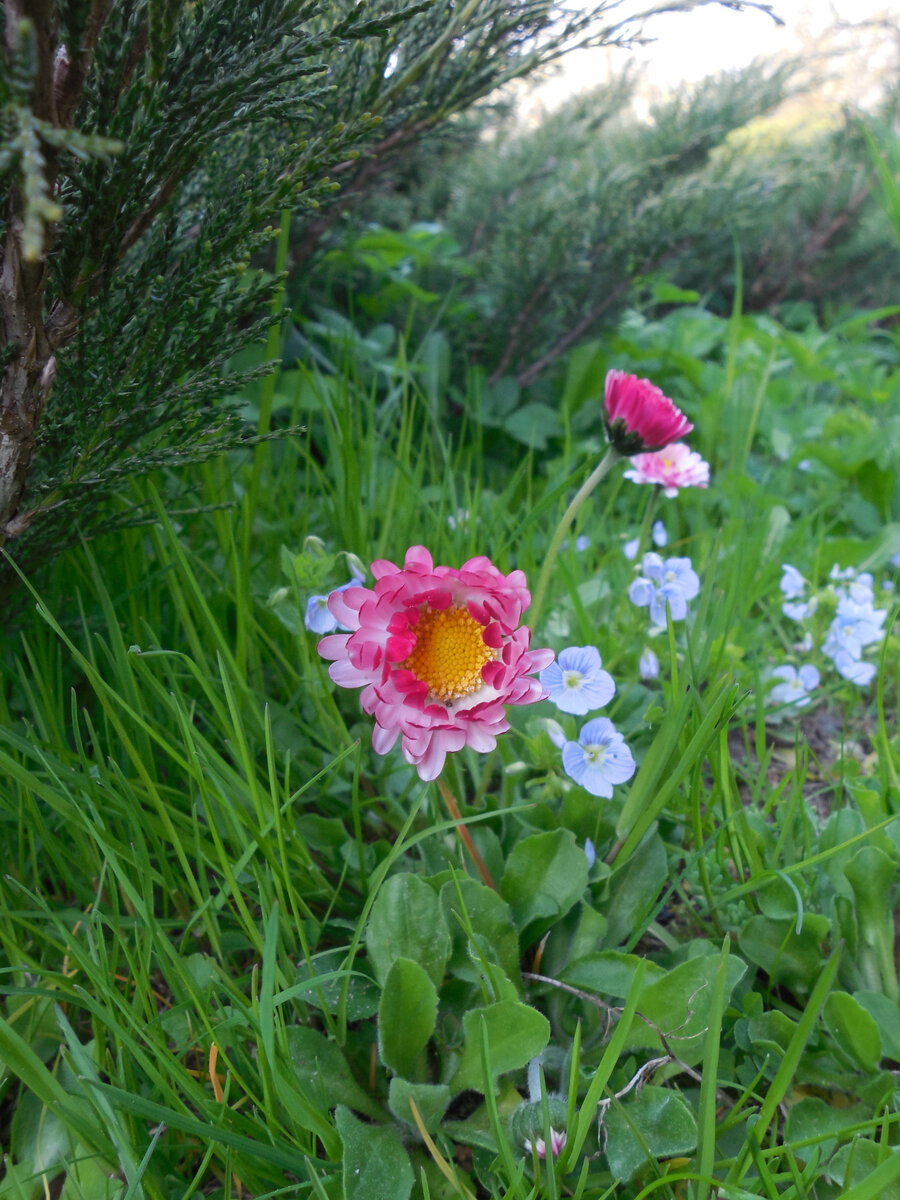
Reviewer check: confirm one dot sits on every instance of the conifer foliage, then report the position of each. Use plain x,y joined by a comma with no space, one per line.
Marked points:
141,167
146,146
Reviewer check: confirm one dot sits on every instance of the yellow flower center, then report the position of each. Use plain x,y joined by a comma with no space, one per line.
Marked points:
449,652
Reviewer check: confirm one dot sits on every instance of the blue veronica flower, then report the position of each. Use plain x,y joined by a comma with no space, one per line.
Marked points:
794,686
672,580
862,589
854,627
858,586
648,665
793,588
792,585
576,681
853,669
599,759
555,732
318,618
842,573
799,611
659,535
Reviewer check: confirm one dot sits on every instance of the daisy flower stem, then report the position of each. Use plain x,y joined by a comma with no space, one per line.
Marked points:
614,851
464,836
606,464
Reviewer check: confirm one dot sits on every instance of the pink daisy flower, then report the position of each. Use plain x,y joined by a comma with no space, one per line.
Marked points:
673,467
639,416
438,653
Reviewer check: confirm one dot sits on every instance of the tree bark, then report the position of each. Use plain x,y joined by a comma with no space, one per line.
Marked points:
27,377
28,344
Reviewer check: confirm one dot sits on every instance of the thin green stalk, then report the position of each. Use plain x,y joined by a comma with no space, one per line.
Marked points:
644,533
606,464
708,1100
262,452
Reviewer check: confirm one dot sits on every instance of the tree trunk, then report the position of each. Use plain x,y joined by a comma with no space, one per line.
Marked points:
27,376
28,344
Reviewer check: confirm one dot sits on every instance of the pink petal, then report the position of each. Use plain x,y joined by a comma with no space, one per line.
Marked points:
431,762
345,674
365,654
478,612
345,605
418,560
383,739
440,599
479,739
493,636
400,646
333,646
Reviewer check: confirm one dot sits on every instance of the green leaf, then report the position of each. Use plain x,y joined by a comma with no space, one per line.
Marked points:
469,905
585,374
323,1073
362,991
545,875
854,1029
866,1170
18,1182
375,1166
771,1033
887,1017
679,1005
38,1136
431,1099
872,875
89,1178
533,424
787,1068
667,293
406,1015
789,957
650,792
516,1034
656,1123
407,922
609,973
633,890
19,1058
812,1117
477,1129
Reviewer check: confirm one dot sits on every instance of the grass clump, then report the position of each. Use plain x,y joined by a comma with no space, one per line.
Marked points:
243,951
633,937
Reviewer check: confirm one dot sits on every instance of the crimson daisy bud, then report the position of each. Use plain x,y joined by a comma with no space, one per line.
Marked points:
639,417
527,1125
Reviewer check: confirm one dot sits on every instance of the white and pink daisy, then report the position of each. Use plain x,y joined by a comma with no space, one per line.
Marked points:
673,467
439,653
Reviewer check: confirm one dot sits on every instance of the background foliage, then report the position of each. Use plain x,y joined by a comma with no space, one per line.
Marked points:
241,953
